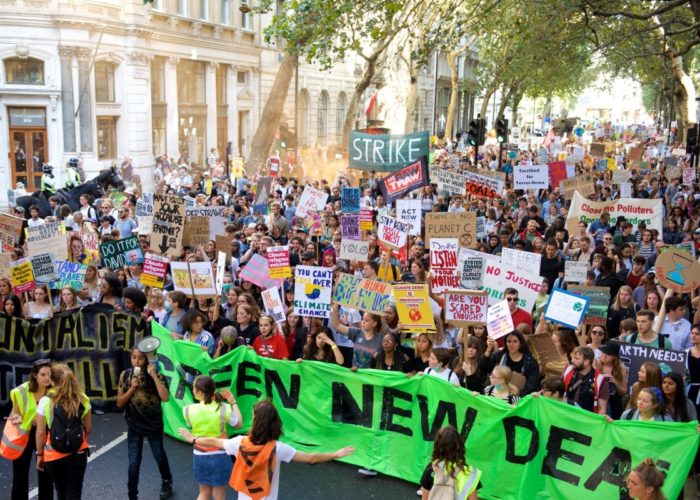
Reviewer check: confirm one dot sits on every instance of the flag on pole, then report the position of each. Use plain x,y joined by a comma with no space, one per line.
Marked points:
370,103
549,139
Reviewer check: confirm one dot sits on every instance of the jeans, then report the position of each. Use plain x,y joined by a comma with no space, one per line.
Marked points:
135,443
20,474
67,474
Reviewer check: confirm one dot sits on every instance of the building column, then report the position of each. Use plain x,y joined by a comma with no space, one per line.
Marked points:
172,122
211,97
256,86
232,111
67,104
136,111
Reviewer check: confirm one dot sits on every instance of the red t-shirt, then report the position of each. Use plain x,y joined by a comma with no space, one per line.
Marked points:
521,316
273,347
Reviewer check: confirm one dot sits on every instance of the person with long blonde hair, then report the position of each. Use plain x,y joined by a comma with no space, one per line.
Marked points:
67,403
502,386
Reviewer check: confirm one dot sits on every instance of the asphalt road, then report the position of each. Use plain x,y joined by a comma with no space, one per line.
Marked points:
106,473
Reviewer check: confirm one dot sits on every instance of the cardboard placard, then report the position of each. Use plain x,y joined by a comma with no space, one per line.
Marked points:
223,244
584,184
350,227
565,308
460,225
597,150
70,274
392,232
413,307
10,231
409,211
119,253
194,279
464,308
196,231
350,200
532,177
272,300
498,320
154,270
354,250
312,291
22,276
257,271
575,271
454,183
443,264
49,237
278,262
472,272
362,294
678,271
525,262
598,302
43,268
498,277
312,200
168,225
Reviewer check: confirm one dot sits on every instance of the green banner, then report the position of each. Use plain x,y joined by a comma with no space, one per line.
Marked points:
539,449
387,153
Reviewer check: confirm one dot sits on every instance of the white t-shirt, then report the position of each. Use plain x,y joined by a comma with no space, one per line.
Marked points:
285,453
445,374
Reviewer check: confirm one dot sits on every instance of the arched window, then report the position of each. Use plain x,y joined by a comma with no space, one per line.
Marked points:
104,81
27,71
303,118
323,117
340,117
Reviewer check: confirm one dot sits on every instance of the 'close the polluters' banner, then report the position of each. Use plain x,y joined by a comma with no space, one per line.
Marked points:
539,449
386,153
635,210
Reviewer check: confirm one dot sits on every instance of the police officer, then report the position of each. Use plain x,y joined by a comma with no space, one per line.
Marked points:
72,174
24,405
48,181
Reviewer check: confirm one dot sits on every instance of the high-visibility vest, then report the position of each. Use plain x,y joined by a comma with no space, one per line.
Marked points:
15,437
207,420
254,468
49,453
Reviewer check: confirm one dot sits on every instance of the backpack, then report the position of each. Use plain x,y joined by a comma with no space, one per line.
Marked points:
444,485
662,340
66,432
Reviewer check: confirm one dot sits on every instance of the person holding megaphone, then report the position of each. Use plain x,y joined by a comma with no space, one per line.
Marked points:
141,390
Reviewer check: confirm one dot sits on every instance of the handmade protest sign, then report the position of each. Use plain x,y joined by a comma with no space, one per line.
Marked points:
635,210
483,184
584,184
472,272
312,200
145,224
409,211
688,176
262,194
392,232
70,274
49,237
10,231
499,322
312,291
278,262
366,219
443,264
119,253
404,181
565,308
454,183
528,435
575,271
196,231
350,227
154,270
499,277
220,269
626,189
598,301
386,153
350,200
636,154
43,268
597,150
620,176
634,356
216,215
223,244
22,277
557,173
452,225
354,250
272,300
362,294
168,222
194,279
413,307
678,271
464,308
257,271
525,262
532,177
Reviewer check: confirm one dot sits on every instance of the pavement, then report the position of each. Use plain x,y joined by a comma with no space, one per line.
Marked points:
105,477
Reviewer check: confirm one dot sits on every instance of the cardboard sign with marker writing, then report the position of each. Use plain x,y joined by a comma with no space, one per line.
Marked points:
464,308
678,271
168,222
452,225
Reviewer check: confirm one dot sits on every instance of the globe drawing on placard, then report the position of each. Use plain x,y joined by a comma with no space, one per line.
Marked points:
578,306
677,275
312,291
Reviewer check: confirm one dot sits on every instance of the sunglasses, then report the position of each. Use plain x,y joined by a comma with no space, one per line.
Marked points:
512,299
42,362
598,332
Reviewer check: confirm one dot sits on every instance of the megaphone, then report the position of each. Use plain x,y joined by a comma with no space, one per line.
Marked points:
149,346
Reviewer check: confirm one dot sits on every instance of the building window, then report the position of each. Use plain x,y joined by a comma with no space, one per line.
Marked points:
204,9
221,80
158,80
224,11
191,82
242,77
323,117
24,71
159,130
182,7
157,5
340,117
246,23
104,82
106,137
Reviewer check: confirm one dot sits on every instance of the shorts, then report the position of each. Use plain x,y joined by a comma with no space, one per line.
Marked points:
212,469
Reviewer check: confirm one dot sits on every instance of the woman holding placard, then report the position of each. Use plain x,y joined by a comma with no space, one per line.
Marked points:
517,357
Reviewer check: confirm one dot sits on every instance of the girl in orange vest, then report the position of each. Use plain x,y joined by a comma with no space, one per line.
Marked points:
67,470
24,405
256,474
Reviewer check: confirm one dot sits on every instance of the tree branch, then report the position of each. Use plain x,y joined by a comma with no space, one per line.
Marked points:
642,17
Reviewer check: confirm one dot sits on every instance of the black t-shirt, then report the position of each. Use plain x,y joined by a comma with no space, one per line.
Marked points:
550,268
143,413
249,333
415,365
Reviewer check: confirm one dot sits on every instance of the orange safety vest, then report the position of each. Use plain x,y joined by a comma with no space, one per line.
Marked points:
255,465
15,437
49,453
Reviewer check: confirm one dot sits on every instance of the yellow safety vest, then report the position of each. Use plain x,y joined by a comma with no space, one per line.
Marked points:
24,400
207,420
16,437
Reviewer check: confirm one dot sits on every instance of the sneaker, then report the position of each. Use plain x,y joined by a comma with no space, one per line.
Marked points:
419,492
367,472
166,490
98,412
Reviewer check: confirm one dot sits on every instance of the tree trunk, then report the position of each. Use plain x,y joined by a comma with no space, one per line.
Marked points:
505,100
271,115
360,88
451,57
514,109
684,96
410,125
486,98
